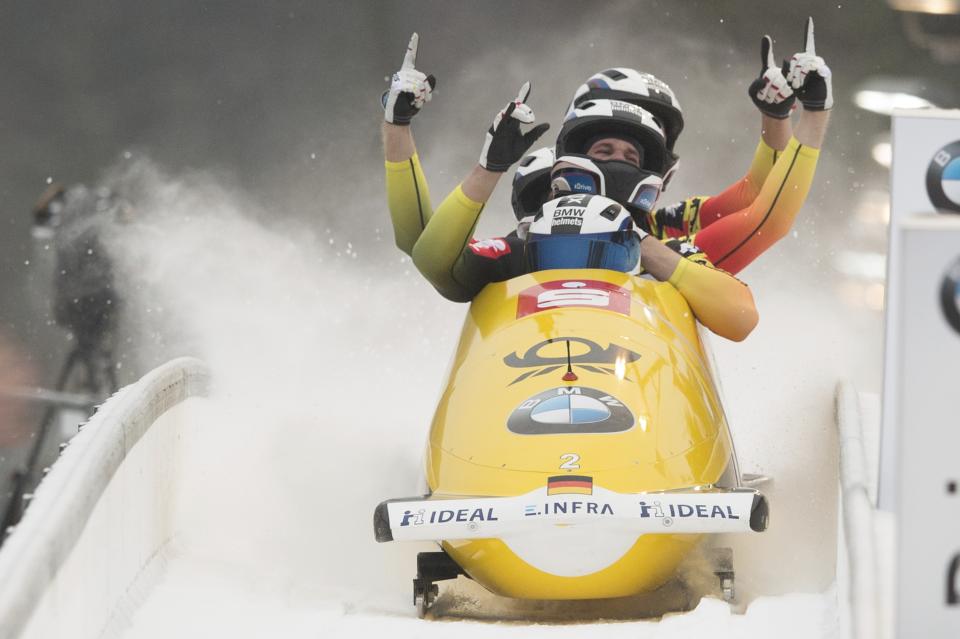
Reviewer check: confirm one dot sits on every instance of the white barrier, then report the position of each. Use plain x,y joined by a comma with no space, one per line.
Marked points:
90,531
858,583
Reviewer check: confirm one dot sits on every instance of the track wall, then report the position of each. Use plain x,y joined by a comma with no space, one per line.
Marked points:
102,517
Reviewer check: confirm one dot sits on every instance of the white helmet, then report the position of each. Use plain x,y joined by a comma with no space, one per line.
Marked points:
636,87
531,183
582,231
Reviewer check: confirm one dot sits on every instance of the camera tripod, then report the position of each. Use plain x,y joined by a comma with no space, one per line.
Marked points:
97,371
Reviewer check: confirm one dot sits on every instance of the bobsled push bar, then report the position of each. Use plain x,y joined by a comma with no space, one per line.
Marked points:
694,510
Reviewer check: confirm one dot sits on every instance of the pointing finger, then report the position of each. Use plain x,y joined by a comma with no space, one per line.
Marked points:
524,92
808,45
766,54
410,59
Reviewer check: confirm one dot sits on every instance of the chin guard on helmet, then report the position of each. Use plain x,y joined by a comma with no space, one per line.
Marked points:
622,182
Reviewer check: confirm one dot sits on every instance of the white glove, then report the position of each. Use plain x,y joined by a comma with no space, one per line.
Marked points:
505,144
409,89
810,77
771,92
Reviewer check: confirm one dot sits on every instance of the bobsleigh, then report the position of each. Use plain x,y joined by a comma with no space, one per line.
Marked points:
579,449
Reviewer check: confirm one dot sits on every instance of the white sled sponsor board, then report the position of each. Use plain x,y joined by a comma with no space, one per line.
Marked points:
503,517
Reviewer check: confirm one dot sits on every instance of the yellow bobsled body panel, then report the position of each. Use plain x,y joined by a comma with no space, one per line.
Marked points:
593,374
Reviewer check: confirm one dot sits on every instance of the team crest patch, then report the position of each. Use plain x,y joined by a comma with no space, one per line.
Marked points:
492,248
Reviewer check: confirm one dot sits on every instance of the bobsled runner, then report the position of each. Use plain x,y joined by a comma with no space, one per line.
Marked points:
579,449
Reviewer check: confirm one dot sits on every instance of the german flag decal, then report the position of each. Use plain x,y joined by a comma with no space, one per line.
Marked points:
570,485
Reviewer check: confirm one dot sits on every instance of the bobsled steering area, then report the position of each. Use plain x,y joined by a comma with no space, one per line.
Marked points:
97,548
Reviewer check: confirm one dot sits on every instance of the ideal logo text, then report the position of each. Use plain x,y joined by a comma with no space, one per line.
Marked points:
419,517
682,511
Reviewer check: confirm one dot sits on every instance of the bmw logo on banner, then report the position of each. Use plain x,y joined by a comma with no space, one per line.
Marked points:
943,178
571,409
950,296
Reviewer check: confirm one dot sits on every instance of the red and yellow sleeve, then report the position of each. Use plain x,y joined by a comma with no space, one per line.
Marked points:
692,215
735,240
408,199
720,301
742,193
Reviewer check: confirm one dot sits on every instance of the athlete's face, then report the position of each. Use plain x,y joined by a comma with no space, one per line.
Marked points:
614,149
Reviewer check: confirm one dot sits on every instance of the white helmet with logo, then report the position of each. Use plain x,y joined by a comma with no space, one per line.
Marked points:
583,231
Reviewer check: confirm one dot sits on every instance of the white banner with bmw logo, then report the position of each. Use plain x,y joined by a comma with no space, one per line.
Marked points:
924,180
928,474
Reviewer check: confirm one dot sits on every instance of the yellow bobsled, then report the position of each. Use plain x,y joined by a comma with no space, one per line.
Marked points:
579,449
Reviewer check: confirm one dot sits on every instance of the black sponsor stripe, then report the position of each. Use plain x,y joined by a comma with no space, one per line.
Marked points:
463,247
416,187
694,220
766,216
583,478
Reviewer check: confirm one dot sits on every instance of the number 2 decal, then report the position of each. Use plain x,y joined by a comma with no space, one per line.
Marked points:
570,461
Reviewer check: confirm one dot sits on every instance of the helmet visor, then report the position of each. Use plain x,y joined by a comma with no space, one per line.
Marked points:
615,251
645,196
575,180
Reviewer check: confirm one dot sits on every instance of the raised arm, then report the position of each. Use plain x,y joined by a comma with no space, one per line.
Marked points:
774,98
438,253
736,240
813,81
408,196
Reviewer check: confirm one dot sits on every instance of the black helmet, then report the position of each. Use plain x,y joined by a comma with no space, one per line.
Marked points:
615,118
531,183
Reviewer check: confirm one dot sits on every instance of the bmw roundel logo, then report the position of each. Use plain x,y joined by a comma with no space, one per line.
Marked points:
950,296
570,409
943,178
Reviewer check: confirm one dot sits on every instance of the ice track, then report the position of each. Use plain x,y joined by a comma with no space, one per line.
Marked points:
116,544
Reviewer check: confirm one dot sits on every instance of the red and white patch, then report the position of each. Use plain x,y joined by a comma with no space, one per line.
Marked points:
573,293
492,248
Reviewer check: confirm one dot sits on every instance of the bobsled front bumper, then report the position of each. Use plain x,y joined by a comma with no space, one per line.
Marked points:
685,511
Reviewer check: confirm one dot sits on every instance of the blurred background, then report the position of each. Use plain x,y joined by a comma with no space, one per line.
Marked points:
278,104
